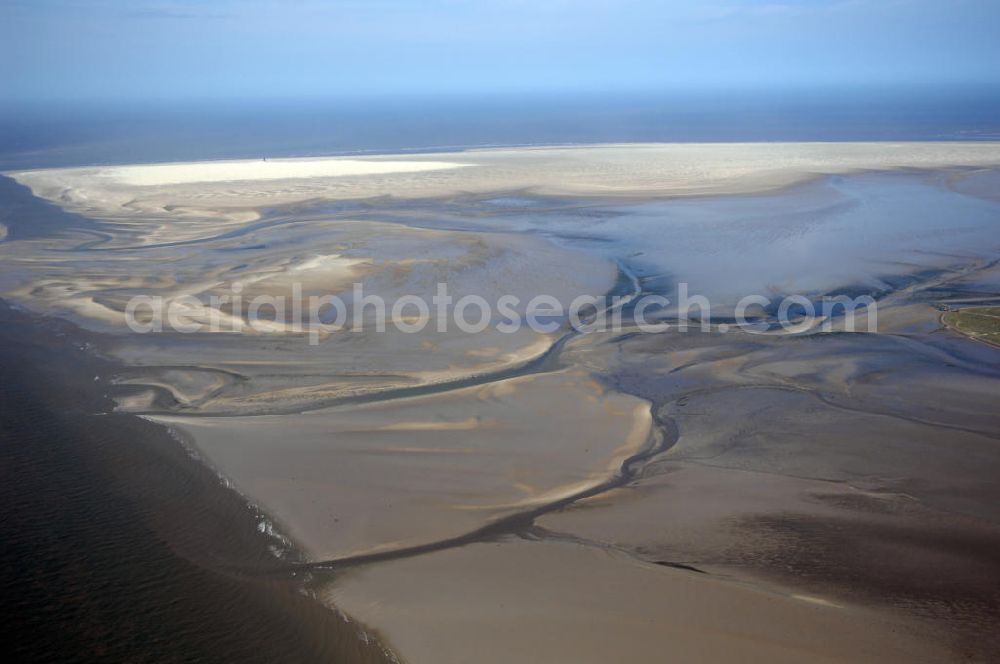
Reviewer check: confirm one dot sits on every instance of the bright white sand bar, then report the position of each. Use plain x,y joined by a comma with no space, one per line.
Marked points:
261,169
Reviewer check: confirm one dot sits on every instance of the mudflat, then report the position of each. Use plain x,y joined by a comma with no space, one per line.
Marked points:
716,493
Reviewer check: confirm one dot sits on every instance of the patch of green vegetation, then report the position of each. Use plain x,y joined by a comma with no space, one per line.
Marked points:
981,323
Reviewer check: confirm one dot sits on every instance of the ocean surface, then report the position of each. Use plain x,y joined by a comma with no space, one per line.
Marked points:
50,134
117,546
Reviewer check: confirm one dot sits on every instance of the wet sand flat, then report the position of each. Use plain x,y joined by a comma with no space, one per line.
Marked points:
356,479
562,602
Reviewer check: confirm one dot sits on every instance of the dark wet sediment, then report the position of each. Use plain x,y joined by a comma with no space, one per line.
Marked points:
117,546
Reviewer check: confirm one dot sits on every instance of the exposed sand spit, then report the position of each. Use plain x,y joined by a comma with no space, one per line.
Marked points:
232,191
350,480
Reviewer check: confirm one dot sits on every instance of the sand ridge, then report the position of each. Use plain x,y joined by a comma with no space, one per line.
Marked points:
190,194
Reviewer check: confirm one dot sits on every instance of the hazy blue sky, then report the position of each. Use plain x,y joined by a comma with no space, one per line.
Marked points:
155,48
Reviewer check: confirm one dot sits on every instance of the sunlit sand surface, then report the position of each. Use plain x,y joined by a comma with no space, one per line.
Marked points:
140,200
245,170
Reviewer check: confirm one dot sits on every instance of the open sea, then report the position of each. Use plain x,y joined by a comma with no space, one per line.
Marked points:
40,135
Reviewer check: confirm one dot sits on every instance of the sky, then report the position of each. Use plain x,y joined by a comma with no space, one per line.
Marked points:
152,49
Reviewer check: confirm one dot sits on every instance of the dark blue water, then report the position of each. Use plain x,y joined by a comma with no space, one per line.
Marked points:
48,135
